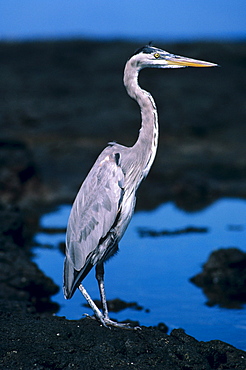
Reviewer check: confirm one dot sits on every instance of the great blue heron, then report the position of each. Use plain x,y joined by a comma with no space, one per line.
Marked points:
105,202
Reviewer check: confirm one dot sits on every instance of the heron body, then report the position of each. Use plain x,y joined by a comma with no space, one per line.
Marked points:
105,202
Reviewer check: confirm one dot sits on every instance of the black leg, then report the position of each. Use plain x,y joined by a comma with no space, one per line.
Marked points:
100,280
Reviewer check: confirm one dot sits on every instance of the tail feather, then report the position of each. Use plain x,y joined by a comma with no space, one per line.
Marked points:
72,278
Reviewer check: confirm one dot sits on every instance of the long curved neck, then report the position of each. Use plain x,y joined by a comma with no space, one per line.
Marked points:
147,141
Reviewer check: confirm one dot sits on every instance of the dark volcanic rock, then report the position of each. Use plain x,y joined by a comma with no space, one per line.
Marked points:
29,342
21,279
223,278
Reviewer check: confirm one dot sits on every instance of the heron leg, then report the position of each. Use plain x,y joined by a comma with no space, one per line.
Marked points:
93,306
107,320
100,280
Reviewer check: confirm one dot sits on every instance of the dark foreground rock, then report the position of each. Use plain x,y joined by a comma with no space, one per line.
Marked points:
33,342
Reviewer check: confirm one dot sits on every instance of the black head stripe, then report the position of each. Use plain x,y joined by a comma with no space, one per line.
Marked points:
147,49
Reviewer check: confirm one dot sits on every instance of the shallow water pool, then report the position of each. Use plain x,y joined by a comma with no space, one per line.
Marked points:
155,272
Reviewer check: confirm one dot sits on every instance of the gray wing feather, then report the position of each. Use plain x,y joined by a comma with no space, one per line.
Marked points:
94,210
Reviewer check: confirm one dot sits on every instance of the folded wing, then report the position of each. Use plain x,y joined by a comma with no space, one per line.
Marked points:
94,211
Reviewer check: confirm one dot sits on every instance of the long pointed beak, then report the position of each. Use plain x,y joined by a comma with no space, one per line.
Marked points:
187,62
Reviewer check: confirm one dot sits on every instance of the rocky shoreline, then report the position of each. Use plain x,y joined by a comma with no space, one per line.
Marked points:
50,138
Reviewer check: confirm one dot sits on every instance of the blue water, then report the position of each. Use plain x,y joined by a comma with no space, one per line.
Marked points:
155,272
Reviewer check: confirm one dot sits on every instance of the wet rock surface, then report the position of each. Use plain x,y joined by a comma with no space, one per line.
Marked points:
49,117
21,280
223,278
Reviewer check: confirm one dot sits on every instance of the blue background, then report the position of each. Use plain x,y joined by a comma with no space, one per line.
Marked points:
127,19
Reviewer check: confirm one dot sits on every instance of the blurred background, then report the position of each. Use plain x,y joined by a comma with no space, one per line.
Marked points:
62,100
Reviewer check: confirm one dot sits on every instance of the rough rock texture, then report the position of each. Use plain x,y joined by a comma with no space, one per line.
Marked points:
31,342
21,280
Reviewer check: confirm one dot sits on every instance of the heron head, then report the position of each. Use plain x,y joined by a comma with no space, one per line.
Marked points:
152,57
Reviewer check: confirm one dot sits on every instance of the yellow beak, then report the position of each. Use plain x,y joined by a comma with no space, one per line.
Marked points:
188,62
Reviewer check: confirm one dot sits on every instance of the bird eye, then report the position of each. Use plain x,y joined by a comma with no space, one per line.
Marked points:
157,55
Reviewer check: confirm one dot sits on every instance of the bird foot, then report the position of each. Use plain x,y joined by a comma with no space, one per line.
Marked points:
122,325
107,323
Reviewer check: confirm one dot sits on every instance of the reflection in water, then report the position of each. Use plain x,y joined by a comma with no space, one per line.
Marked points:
117,305
143,232
155,272
223,278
